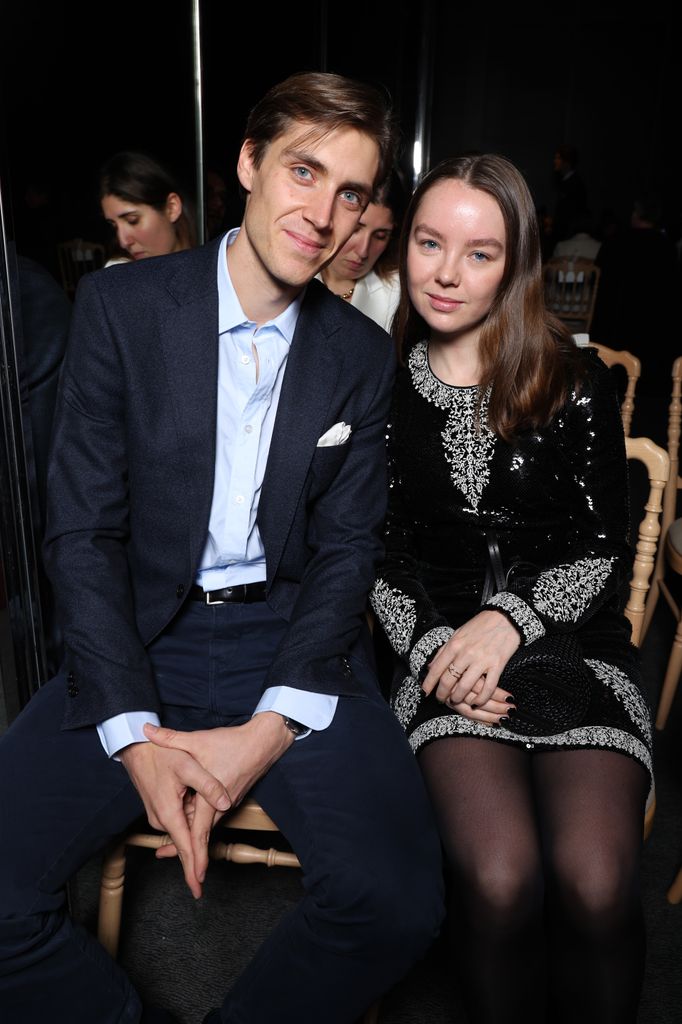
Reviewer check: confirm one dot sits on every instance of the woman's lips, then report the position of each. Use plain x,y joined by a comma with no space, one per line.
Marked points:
443,304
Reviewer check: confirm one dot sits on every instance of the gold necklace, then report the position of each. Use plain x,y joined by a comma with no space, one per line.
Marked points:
346,295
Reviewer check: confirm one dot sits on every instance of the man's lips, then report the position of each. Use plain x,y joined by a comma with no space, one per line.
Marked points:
310,246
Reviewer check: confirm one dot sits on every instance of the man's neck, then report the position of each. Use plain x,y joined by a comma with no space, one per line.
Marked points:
261,298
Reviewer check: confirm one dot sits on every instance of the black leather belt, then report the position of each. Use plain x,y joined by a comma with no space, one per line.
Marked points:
242,593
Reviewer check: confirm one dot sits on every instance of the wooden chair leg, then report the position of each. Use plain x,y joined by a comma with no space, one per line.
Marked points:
675,890
672,678
372,1015
111,899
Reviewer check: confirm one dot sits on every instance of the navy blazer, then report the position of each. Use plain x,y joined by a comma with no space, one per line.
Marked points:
132,468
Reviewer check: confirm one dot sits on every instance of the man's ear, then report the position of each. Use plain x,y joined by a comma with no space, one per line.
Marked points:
173,206
245,165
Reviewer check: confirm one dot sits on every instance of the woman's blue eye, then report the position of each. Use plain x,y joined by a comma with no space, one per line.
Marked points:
480,257
429,244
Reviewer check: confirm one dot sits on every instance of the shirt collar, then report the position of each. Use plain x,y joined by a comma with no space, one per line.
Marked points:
230,312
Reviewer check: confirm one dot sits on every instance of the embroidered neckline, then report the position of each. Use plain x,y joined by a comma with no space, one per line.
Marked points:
431,387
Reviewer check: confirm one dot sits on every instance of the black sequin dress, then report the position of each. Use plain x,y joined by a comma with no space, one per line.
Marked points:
557,499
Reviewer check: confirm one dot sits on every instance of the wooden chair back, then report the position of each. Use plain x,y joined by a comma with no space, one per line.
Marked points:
657,466
633,368
571,291
76,258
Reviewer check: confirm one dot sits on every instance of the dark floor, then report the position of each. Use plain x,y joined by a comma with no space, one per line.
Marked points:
184,954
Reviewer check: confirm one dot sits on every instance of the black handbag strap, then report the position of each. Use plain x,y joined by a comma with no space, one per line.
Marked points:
495,580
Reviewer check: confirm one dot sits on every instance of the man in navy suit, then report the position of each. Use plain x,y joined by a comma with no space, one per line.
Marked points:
217,490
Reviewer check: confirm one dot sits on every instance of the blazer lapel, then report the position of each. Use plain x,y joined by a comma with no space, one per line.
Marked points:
310,379
189,339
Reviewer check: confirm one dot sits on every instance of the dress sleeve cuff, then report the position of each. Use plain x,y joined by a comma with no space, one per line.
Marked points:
426,647
520,614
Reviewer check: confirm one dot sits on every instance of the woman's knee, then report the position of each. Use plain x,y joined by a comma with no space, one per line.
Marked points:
601,889
499,891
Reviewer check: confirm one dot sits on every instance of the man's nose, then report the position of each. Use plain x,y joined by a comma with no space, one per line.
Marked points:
320,210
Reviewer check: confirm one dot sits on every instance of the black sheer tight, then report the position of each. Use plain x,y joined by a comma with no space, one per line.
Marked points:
543,858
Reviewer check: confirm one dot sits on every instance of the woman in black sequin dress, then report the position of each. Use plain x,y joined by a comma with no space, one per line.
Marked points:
502,428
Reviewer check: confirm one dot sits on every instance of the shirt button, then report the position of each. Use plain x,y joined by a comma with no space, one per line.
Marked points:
180,590
248,428
244,360
239,500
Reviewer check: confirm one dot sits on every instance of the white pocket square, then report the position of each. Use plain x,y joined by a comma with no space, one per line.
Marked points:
338,434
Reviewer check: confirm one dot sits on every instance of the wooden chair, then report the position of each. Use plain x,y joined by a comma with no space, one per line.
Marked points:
571,290
670,552
655,459
76,258
249,816
633,368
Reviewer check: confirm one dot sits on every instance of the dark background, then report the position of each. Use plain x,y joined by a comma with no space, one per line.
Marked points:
82,81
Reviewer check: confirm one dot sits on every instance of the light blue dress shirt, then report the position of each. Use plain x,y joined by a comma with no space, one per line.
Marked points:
251,364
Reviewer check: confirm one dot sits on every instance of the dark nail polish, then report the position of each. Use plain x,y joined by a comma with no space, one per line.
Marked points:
510,700
512,713
504,721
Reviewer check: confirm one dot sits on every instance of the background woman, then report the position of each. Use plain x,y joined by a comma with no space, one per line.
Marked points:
145,207
365,271
507,536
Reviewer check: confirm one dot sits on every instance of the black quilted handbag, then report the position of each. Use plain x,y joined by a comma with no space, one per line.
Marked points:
550,683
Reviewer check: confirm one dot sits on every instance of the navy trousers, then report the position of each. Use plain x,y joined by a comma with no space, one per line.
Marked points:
348,798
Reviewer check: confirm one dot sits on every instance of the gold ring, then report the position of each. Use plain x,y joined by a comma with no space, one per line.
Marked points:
453,671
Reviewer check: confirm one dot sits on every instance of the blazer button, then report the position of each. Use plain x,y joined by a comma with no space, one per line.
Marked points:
180,590
72,690
71,678
346,666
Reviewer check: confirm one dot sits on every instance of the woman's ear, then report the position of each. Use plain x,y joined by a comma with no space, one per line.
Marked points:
173,207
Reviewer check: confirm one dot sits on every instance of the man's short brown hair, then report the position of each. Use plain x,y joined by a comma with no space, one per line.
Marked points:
327,102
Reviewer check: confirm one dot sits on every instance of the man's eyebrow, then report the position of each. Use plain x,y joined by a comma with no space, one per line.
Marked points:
300,156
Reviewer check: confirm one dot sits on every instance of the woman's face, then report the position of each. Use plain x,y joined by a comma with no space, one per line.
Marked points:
366,244
455,259
141,229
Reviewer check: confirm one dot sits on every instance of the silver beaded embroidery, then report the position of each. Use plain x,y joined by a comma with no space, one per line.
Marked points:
469,443
397,614
428,643
591,736
565,592
406,700
521,614
626,692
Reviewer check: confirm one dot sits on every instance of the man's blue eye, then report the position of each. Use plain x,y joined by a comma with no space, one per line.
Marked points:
303,172
351,197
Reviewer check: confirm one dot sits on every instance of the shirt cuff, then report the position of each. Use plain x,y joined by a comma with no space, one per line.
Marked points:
121,730
314,710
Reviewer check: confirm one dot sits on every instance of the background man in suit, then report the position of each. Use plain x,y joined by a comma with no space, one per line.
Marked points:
217,492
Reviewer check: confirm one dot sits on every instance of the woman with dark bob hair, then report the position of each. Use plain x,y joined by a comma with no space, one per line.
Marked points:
145,207
501,595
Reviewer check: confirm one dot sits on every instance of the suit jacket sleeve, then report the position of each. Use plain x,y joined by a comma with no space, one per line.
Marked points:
88,525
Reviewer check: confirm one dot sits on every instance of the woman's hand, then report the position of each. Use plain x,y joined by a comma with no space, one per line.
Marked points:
467,669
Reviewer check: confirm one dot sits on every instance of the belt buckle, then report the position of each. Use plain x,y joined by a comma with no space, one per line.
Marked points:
210,602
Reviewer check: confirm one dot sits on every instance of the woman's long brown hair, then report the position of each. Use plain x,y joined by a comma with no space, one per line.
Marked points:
526,354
